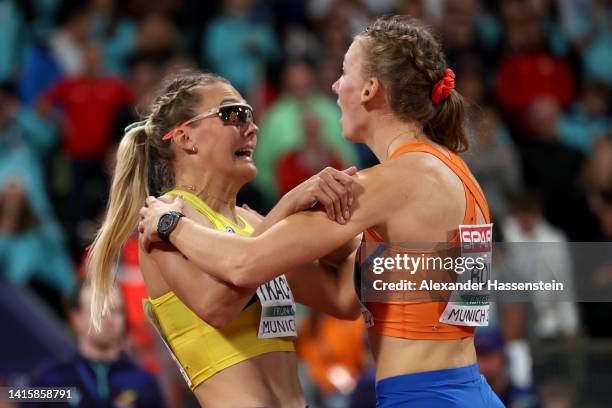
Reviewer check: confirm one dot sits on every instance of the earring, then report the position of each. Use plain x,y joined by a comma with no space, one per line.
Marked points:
194,149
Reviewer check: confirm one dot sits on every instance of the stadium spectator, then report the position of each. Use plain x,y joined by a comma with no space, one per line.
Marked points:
282,130
12,39
493,364
236,37
31,242
101,372
89,104
527,71
539,252
588,119
116,33
588,26
60,55
157,35
494,160
599,180
306,161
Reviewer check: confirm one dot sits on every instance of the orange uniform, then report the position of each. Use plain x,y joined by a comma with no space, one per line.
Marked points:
415,319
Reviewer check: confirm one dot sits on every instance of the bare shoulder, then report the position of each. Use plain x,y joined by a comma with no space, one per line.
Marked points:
393,183
432,199
424,173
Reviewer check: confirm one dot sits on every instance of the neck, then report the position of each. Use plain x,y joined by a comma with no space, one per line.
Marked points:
92,351
218,192
387,133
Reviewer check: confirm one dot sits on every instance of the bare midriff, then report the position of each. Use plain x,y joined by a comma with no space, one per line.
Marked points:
268,380
396,356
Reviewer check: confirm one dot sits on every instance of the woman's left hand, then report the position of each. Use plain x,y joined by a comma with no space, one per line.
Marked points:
153,209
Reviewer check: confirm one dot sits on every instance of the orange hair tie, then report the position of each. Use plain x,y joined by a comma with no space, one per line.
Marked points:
443,87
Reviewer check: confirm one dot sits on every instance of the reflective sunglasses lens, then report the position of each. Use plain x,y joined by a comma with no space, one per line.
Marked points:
235,115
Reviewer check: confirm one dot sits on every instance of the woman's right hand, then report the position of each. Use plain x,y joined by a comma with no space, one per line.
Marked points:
331,188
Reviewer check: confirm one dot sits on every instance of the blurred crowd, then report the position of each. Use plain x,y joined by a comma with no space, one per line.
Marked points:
536,75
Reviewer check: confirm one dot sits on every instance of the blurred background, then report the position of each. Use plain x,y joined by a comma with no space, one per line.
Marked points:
537,75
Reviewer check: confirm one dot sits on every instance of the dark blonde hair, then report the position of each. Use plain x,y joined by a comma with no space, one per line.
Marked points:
407,58
144,165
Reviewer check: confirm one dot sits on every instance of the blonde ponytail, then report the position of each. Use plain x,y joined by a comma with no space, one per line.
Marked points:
176,102
128,192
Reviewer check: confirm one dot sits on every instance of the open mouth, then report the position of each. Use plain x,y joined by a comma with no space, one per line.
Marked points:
244,153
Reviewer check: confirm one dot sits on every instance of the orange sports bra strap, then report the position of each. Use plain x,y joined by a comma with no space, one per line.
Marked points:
454,165
413,147
372,236
477,193
482,204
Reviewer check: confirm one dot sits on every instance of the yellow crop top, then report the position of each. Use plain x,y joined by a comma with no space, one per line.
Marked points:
199,349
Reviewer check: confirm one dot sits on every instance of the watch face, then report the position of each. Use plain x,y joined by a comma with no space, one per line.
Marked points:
165,222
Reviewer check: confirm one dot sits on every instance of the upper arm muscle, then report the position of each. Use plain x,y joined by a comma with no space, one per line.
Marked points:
202,293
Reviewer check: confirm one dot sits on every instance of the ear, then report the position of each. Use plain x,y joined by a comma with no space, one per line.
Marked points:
183,140
371,88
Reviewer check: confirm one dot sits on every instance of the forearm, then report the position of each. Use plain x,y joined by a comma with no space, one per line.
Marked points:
249,262
337,258
281,210
345,297
329,290
299,239
222,255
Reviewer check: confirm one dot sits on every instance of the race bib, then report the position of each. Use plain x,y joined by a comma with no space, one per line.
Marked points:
471,308
277,309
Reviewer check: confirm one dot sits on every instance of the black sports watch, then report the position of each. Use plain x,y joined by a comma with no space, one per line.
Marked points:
167,223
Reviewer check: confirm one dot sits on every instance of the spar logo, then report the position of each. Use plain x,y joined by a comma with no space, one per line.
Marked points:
476,237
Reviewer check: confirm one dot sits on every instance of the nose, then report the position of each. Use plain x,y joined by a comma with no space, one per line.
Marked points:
251,129
335,86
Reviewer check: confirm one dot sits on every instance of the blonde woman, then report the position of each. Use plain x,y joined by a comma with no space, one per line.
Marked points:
198,143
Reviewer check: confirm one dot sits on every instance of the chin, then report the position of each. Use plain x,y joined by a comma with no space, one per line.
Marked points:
247,171
351,136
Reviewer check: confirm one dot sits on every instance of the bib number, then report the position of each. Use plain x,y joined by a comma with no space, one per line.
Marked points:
471,308
277,309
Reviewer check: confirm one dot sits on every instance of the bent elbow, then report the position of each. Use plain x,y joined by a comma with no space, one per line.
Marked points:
348,309
245,278
351,312
245,273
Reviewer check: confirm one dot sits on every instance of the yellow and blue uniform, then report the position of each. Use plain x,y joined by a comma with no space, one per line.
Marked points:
199,349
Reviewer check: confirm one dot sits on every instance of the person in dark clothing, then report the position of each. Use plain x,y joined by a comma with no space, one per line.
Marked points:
103,375
493,365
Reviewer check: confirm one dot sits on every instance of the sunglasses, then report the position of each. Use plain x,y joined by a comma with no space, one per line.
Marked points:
235,114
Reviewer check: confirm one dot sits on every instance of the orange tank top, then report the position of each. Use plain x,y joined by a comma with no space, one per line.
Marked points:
421,320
